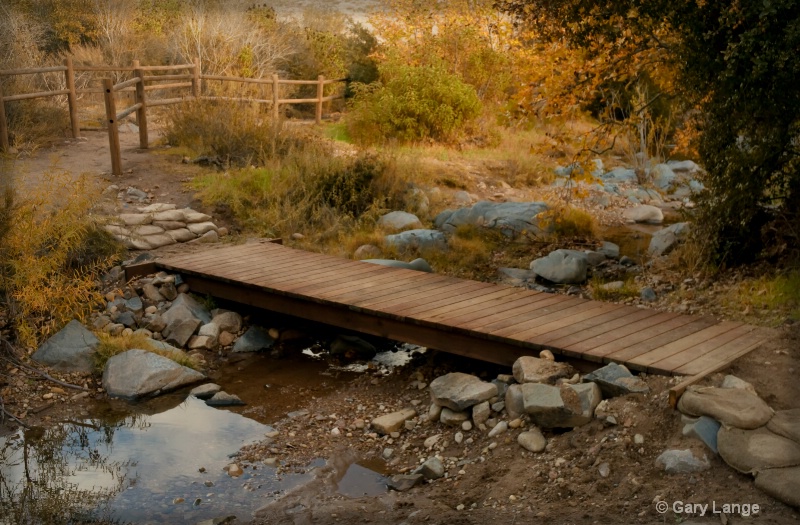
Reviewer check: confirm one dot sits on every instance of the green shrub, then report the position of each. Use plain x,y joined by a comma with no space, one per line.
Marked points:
411,104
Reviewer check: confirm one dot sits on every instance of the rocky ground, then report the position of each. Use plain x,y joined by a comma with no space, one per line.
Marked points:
603,471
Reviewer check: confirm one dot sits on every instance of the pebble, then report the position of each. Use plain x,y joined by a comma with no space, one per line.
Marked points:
466,426
460,506
532,440
387,453
336,432
178,501
498,429
234,470
459,437
431,441
638,439
515,423
604,469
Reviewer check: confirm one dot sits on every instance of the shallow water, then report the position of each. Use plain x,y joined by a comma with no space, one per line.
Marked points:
141,468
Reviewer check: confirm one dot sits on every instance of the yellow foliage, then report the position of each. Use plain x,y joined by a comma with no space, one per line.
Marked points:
566,221
111,345
52,253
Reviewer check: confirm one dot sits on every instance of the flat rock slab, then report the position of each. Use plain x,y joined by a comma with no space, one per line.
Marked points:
69,350
783,484
550,406
404,482
616,380
786,423
138,373
529,369
388,423
562,266
458,391
205,391
730,406
750,451
417,239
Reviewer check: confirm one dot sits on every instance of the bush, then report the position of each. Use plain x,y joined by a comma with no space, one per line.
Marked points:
411,104
51,255
566,221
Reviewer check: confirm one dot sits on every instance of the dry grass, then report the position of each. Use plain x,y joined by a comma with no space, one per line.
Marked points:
111,345
629,289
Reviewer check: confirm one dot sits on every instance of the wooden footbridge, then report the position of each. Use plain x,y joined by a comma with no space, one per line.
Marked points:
491,322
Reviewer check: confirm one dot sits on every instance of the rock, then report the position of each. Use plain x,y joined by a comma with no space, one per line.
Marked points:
367,251
516,276
181,235
621,175
388,423
434,412
228,322
511,218
705,429
137,373
562,266
547,355
199,228
399,220
417,239
613,286
609,249
662,176
589,397
209,330
681,462
664,240
69,350
529,369
749,451
431,441
185,306
226,339
786,423
452,418
420,265
151,293
126,319
481,412
224,399
202,342
253,340
729,406
734,382
156,324
458,391
498,429
783,484
209,237
431,469
205,391
515,405
532,440
352,347
169,291
644,213
404,482
501,387
550,406
100,322
234,470
134,304
616,380
178,332
226,520
648,295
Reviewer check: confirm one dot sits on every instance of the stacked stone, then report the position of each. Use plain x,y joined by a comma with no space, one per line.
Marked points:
161,224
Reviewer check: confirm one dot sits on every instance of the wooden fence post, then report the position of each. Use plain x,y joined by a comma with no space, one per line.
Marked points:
72,98
276,112
320,91
141,113
196,87
113,132
4,145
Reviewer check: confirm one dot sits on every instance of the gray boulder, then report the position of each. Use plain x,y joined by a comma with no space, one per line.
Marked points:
529,369
664,240
681,462
431,469
253,340
404,482
621,175
184,307
399,220
511,218
417,239
609,249
684,166
138,373
644,213
224,399
551,406
205,391
227,322
616,380
730,406
750,451
458,391
180,331
420,265
705,429
562,266
783,484
662,176
69,350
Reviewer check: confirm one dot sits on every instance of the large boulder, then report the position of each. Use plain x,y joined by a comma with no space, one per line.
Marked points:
420,265
399,220
511,218
529,369
730,406
620,175
644,213
562,266
750,451
664,240
185,307
458,391
417,239
138,373
549,406
69,350
662,176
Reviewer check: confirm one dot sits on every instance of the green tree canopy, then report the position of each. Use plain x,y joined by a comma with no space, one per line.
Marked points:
738,63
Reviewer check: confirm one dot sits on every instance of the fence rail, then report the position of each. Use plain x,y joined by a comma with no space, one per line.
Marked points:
142,83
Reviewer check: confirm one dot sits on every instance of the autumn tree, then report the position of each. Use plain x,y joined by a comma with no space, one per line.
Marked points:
736,61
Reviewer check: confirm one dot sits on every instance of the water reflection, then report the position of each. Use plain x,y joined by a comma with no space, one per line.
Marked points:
141,468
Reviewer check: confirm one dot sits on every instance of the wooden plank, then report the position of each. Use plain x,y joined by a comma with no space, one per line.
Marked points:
561,319
363,295
724,354
522,329
379,275
694,351
447,301
380,301
585,346
429,314
506,320
341,279
241,261
668,327
519,307
286,273
635,350
478,311
676,347
610,312
631,316
405,301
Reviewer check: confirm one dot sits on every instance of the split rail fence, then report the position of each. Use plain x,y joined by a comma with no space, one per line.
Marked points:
151,78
